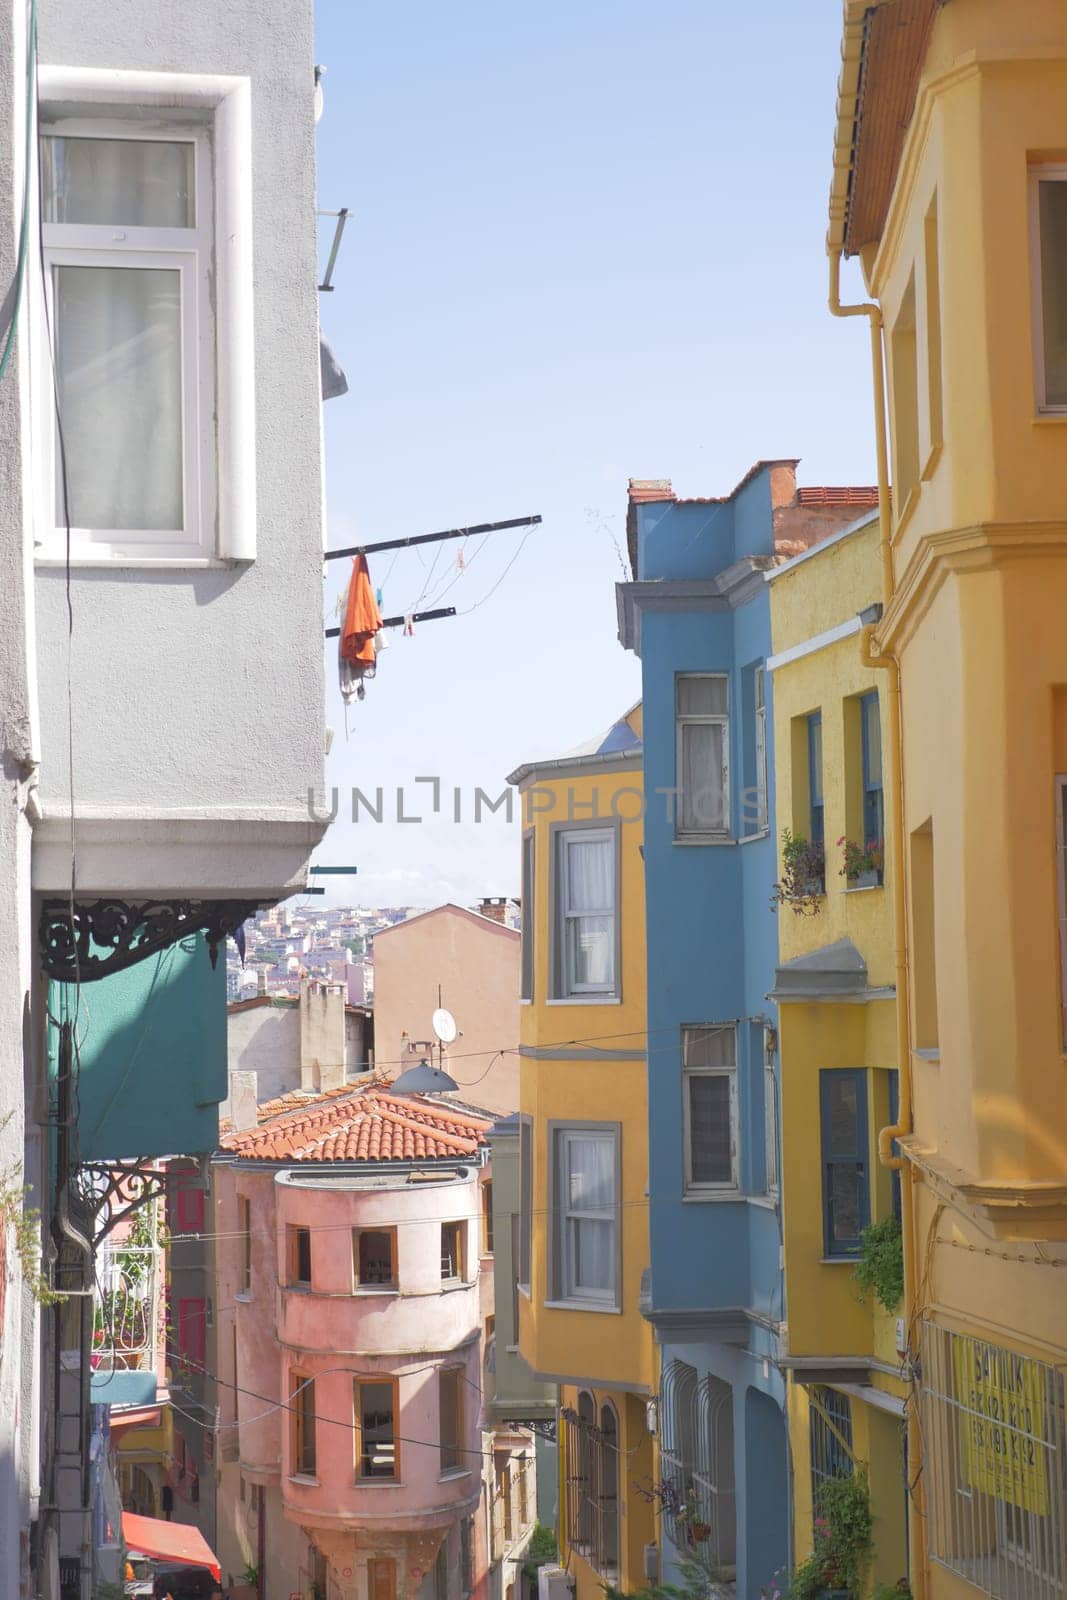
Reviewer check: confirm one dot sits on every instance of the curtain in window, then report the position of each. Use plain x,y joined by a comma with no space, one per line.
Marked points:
118,333
590,1204
590,904
701,801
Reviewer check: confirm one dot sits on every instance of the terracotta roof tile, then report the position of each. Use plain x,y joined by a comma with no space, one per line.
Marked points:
358,1124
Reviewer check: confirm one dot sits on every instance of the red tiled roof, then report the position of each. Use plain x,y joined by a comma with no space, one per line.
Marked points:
865,496
367,1124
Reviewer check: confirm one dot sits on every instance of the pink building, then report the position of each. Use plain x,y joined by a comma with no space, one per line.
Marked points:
469,963
354,1251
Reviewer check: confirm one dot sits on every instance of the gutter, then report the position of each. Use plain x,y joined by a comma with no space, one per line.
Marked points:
874,654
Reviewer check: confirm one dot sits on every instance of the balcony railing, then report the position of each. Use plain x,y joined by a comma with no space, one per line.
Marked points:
126,1332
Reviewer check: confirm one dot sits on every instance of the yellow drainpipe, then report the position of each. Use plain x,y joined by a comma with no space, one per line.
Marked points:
873,656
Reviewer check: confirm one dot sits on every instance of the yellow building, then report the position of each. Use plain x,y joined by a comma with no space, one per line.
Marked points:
837,1037
950,185
583,1227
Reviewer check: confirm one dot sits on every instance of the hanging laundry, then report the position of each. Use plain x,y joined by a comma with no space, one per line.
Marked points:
409,624
356,652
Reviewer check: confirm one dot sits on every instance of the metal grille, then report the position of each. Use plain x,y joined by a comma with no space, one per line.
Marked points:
697,1462
993,1434
830,1438
591,1466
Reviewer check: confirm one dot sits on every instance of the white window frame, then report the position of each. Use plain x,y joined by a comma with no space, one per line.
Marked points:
569,987
215,260
759,703
772,1175
730,1187
1048,172
687,719
567,1290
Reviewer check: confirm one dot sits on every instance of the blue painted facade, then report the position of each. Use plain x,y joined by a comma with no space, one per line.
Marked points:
699,604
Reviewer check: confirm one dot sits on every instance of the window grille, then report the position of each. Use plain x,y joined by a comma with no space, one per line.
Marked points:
591,1467
830,1437
993,1430
697,1462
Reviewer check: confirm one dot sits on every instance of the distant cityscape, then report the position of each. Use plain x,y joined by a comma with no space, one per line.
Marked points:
296,940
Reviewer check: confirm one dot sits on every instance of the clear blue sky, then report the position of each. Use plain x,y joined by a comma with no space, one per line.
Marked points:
587,244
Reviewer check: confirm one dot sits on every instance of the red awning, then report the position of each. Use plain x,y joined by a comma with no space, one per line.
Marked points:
169,1541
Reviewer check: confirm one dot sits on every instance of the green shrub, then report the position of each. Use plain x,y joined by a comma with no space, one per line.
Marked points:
881,1267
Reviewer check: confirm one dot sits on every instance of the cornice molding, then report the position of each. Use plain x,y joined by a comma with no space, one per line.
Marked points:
979,548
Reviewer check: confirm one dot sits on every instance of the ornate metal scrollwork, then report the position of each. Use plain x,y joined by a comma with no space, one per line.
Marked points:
105,936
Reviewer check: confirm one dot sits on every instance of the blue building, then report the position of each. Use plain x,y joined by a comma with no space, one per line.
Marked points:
698,615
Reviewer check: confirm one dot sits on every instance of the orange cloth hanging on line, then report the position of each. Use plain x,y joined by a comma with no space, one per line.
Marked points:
362,617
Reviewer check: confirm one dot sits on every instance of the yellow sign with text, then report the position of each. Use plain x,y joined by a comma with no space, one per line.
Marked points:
1003,1423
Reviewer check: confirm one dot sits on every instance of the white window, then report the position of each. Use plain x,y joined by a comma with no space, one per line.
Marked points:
759,689
709,1088
770,1125
703,756
146,234
586,1241
586,912
1048,255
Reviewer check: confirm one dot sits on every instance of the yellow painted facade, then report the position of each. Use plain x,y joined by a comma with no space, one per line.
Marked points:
835,1340
966,270
583,1064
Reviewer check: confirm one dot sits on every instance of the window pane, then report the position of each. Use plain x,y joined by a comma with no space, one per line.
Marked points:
701,804
377,1446
710,1156
592,959
815,759
1052,199
119,372
709,1047
872,742
593,1251
139,183
702,697
590,874
375,1257
846,1209
591,1174
842,1115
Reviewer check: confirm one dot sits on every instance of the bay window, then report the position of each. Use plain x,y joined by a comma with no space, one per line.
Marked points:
846,1180
586,1217
146,435
702,777
586,921
709,1109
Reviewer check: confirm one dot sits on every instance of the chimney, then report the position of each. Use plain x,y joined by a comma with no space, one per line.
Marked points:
495,908
322,1035
243,1101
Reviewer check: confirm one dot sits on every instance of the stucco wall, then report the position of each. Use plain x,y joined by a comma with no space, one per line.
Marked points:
205,689
475,962
18,1315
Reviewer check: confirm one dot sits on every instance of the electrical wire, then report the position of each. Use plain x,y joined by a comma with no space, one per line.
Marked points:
24,226
499,581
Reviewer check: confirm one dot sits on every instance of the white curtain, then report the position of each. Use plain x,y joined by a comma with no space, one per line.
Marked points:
591,911
591,1204
118,364
702,807
133,183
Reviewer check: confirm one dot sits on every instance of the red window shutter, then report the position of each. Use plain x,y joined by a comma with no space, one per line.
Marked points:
190,1204
192,1330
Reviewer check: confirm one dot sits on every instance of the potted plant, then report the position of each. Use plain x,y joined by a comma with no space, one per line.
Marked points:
864,864
803,881
841,1551
880,1270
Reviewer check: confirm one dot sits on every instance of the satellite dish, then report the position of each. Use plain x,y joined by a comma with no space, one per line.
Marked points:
444,1025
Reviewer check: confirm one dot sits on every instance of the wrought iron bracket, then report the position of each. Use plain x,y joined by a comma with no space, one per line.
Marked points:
95,938
116,1189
